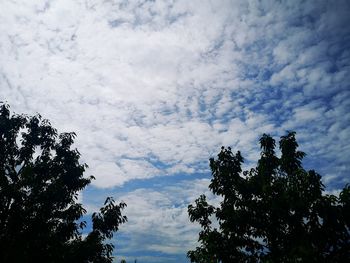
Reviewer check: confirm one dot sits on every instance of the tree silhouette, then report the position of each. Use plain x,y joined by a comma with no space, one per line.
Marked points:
40,216
276,212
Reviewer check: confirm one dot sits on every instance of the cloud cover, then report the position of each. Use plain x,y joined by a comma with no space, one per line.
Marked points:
154,88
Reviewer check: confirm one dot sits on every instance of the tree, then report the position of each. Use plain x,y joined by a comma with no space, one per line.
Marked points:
276,212
40,178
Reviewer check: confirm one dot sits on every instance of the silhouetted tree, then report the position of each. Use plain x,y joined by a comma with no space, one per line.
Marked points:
40,216
276,212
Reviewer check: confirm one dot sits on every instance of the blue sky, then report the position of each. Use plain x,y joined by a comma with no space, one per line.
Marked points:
154,88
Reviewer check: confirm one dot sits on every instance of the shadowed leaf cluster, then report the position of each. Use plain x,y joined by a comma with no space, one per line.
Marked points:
40,178
276,212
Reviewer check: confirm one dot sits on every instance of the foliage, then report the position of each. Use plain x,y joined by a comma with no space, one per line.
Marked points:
40,178
276,212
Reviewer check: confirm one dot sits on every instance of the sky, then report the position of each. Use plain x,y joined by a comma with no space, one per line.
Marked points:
153,89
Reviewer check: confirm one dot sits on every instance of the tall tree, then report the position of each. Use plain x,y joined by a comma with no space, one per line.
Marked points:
276,212
40,178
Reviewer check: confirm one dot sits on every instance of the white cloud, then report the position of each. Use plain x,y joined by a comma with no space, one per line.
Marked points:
162,214
154,88
135,79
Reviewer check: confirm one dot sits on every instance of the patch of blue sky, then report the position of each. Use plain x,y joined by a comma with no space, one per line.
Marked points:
318,165
125,248
88,223
122,250
146,256
151,158
96,195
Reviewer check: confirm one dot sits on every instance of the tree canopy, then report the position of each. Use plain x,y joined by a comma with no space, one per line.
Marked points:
40,178
275,212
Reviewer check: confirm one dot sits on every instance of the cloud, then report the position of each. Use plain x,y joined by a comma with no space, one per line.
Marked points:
155,213
154,88
162,214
